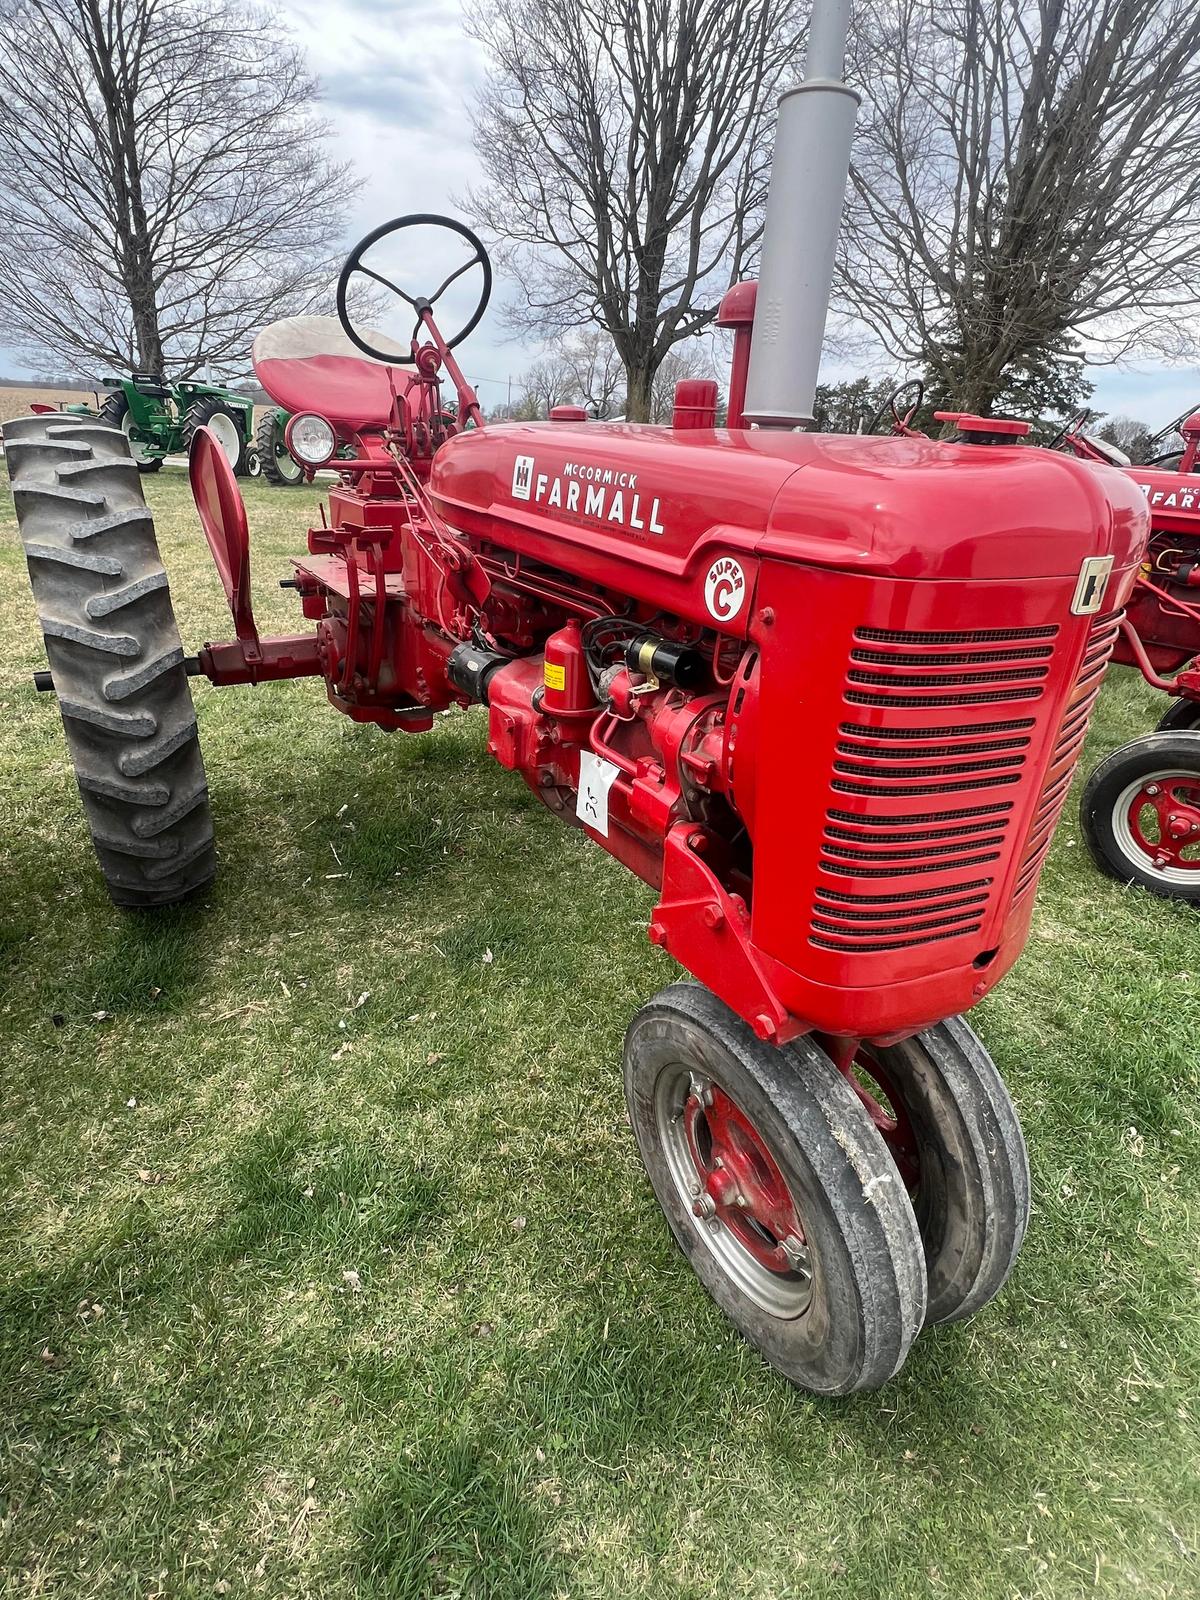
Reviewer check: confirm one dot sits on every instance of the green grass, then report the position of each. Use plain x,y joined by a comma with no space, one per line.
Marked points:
328,1267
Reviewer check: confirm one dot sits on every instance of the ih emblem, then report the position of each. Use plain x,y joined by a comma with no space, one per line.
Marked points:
522,477
1093,581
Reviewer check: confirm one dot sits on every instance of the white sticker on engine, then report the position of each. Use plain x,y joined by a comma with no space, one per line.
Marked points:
596,778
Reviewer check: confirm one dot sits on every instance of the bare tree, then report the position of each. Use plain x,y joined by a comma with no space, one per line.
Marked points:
525,408
549,382
626,151
586,372
597,372
1026,176
163,189
1129,435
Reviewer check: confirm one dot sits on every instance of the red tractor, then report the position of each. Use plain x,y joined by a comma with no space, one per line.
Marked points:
823,694
1141,807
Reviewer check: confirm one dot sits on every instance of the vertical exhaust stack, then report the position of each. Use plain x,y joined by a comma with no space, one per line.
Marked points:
804,210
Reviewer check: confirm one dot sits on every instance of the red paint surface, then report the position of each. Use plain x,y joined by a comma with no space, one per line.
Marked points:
1163,632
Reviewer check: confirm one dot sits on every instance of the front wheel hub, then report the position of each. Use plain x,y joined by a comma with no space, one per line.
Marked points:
734,1188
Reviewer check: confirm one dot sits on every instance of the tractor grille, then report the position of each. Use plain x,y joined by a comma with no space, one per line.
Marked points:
1066,750
920,810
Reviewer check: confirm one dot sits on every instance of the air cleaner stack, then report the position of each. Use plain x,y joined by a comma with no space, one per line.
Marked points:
804,209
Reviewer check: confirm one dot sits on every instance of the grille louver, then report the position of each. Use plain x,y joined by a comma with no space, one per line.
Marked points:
1067,750
921,808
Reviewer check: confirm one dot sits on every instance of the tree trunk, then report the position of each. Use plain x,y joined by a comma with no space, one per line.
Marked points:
982,384
116,79
639,384
146,332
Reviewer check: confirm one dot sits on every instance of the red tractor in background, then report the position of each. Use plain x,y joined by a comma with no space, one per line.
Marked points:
1140,811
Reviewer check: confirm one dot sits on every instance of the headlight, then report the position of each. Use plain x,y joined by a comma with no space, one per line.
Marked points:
310,438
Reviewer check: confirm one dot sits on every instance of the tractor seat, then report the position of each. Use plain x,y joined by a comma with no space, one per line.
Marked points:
308,364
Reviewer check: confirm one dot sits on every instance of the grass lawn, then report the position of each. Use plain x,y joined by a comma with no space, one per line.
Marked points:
328,1267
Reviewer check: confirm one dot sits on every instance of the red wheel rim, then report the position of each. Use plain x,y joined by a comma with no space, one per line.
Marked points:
893,1122
739,1180
1160,816
725,1174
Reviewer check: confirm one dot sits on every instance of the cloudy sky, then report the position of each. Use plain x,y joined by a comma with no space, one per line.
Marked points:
398,80
397,83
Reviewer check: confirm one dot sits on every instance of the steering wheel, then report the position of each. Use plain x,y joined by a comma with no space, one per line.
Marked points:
1075,424
892,404
420,303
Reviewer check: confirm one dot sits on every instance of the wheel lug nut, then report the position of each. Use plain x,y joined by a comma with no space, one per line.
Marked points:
703,1206
1152,788
740,1200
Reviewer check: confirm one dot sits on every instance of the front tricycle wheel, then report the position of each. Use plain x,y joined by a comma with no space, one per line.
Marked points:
1180,715
779,1191
943,1111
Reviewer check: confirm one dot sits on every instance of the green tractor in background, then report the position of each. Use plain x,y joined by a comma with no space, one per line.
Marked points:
276,461
160,419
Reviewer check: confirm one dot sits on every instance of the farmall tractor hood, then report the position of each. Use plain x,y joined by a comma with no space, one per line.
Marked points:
663,501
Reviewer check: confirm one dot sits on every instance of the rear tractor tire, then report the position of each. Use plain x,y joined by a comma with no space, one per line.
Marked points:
115,412
779,1191
115,655
279,465
212,412
1140,814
